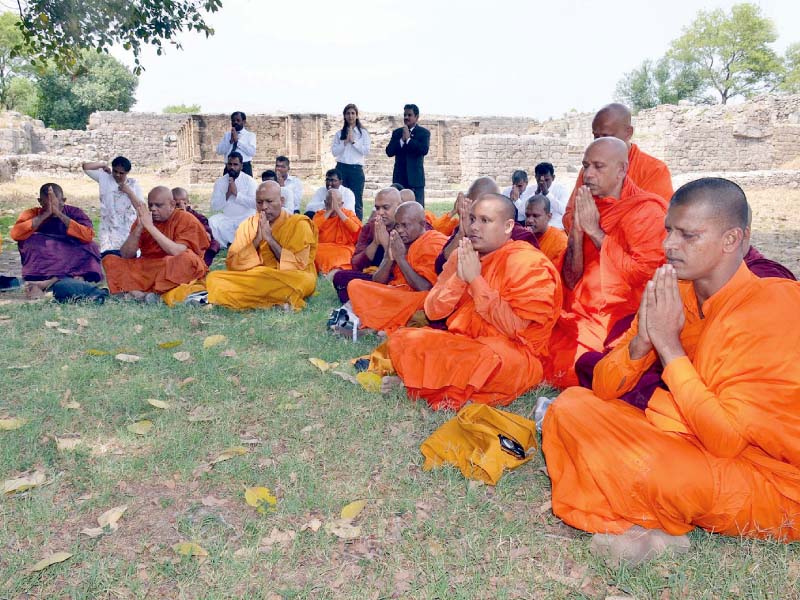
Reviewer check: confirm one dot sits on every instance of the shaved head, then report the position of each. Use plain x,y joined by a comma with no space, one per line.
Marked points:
410,210
504,205
386,201
481,186
407,195
409,221
161,203
605,164
613,120
726,200
540,199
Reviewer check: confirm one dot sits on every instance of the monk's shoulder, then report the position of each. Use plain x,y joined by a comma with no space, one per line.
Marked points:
432,237
185,220
523,256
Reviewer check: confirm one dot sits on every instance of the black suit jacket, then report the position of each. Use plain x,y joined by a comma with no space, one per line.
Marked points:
409,170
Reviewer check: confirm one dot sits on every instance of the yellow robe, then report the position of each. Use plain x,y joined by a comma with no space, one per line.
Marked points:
255,278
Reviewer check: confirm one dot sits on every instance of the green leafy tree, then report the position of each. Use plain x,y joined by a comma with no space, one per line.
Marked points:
660,82
791,82
176,109
730,53
59,30
12,65
23,96
102,83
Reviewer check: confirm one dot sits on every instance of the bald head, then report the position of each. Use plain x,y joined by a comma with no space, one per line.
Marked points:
407,195
605,164
726,201
491,222
411,209
409,221
613,120
481,186
504,206
181,197
160,203
386,202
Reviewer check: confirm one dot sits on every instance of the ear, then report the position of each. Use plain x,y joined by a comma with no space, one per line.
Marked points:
509,226
732,240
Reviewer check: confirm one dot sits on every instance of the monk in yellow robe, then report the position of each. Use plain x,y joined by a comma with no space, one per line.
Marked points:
501,298
718,448
271,259
171,244
338,230
613,248
406,273
552,241
647,172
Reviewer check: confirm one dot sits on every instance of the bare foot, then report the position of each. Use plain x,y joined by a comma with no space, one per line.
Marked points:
36,289
637,545
390,383
138,295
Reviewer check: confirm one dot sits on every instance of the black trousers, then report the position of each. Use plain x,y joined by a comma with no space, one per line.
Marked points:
353,178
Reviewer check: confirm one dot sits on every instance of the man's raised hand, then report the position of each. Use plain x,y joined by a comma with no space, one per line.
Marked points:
469,263
664,313
381,233
397,248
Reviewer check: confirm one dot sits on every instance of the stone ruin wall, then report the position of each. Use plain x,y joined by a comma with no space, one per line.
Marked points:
763,134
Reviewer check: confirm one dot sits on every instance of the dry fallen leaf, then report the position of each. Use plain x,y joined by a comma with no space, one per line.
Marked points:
276,536
229,353
26,482
212,501
138,328
182,356
213,340
128,358
190,549
107,521
171,344
11,423
313,427
82,322
140,427
260,498
345,376
68,442
64,331
67,403
295,394
322,365
369,381
201,413
52,559
343,528
352,510
96,352
229,454
51,324
313,525
157,403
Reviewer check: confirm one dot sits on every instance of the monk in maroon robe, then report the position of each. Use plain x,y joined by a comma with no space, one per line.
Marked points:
181,197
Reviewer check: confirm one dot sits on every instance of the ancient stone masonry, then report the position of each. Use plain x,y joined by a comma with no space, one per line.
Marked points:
762,134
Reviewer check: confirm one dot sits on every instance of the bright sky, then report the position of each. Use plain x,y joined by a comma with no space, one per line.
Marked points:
468,57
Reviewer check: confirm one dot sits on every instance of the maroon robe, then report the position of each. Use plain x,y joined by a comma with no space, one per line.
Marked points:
214,247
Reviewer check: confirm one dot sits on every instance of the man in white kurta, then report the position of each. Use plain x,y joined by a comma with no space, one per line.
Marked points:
240,140
333,181
519,191
233,198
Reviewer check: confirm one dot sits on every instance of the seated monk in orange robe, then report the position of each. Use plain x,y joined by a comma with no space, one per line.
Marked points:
718,448
614,245
552,241
501,298
172,244
647,172
338,230
401,283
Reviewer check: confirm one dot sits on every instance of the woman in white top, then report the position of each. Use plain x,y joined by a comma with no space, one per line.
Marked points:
350,148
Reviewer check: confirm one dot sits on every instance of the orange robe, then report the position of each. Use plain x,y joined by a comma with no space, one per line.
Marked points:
255,278
154,270
613,278
385,307
337,240
553,242
445,223
720,449
497,331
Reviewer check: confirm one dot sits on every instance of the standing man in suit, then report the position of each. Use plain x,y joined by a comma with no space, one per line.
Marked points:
409,145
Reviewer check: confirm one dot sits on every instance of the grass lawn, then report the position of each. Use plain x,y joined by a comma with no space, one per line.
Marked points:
317,441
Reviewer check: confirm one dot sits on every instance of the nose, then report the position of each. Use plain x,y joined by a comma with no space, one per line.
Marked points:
670,242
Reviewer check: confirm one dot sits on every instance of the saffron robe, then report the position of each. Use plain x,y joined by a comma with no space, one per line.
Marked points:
445,223
57,250
640,395
718,449
614,277
553,243
155,270
497,331
337,240
255,278
385,307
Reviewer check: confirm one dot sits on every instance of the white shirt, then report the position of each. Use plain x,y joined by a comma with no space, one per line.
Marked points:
522,201
246,145
289,200
296,185
318,199
351,154
243,204
116,211
558,196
